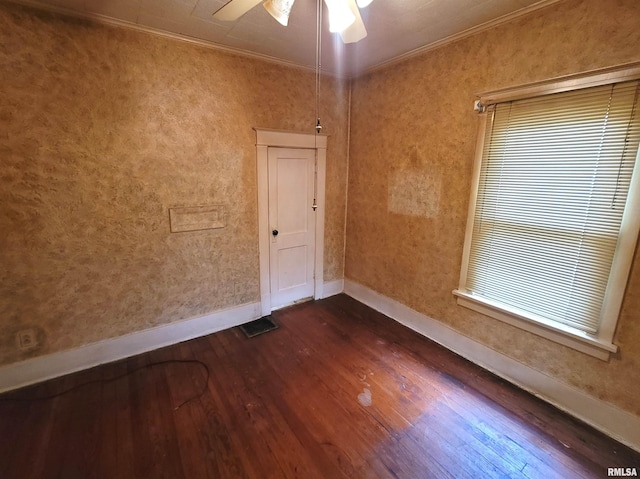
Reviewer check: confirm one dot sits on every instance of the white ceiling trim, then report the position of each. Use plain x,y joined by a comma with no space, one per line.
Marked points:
106,20
466,33
114,22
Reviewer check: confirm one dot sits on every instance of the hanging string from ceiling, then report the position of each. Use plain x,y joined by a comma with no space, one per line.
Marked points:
318,62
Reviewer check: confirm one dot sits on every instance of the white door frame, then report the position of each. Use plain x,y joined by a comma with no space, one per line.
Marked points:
266,138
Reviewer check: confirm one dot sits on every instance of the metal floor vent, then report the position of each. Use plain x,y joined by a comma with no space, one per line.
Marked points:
259,326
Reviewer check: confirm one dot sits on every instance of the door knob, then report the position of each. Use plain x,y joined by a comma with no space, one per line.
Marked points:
274,232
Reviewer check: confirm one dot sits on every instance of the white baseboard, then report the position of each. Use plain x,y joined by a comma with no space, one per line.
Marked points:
607,418
54,365
31,371
331,288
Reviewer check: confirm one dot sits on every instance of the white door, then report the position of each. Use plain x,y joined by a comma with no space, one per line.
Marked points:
292,224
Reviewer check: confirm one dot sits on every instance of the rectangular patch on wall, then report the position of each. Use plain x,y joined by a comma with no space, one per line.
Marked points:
194,218
415,193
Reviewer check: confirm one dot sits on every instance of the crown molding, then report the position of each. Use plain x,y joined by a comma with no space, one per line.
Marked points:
114,22
105,20
459,36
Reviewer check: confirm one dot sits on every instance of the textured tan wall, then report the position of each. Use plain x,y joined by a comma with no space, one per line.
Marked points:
415,119
101,131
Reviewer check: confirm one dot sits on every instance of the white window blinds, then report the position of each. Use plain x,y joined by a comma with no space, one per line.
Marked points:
553,186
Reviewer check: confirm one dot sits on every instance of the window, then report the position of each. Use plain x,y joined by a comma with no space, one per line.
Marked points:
551,229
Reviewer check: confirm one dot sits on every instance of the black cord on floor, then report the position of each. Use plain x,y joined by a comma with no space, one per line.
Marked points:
115,378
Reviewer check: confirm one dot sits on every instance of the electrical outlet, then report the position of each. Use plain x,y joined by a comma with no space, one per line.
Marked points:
27,339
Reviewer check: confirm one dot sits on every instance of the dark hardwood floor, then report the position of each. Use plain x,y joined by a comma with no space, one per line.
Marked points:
337,391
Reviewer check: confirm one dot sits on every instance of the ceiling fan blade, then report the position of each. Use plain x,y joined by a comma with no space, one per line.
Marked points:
356,31
235,9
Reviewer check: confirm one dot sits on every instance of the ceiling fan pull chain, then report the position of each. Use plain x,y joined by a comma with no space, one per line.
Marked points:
318,62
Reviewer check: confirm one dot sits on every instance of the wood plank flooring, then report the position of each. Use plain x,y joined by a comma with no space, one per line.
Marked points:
337,391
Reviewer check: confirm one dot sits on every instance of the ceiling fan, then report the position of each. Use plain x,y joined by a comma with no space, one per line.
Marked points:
344,15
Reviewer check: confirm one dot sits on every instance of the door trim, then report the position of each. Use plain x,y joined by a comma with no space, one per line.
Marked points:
266,138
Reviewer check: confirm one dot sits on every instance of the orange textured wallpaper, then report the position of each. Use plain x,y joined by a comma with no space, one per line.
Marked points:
410,176
102,130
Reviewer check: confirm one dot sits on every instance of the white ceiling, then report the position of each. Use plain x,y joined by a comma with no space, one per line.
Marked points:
396,27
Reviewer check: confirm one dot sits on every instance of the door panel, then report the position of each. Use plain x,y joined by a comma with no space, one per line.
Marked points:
292,190
292,269
292,248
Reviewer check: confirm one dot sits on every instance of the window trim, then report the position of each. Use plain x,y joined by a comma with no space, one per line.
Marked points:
602,76
601,344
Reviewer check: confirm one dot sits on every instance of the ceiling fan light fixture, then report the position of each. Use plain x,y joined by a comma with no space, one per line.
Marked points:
363,3
340,15
279,9
356,31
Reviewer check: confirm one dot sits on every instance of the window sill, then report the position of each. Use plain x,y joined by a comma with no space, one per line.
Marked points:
562,334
